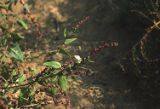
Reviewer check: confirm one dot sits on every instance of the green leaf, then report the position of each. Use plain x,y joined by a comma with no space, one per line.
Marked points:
5,42
26,7
16,36
10,6
63,82
63,51
23,96
3,7
16,53
15,2
55,79
35,71
68,41
75,79
83,68
13,73
53,64
3,16
43,83
21,22
3,28
21,79
65,33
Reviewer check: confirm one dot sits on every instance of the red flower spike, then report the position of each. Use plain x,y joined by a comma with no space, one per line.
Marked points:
106,45
46,102
112,44
93,54
89,53
57,85
71,61
55,100
96,49
53,85
48,84
115,44
62,68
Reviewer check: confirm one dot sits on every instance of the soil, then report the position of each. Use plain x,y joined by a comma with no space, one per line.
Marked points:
107,87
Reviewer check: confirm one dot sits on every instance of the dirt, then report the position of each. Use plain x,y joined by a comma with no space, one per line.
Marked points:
107,87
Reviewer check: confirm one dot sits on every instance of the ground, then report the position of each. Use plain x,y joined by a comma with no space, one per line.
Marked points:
107,87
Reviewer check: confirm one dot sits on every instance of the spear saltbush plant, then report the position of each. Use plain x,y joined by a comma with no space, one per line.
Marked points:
53,79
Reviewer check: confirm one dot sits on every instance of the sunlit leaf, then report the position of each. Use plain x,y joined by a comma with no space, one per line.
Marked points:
13,73
16,53
26,7
53,64
21,79
65,33
63,82
3,7
22,23
68,41
3,16
35,71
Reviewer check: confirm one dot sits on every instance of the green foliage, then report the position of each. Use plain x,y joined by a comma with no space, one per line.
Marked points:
24,95
63,82
16,36
26,7
22,23
16,53
21,78
3,16
65,32
68,41
53,64
15,2
63,51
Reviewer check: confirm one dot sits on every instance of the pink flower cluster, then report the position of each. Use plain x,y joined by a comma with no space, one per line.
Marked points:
2,105
112,44
34,21
79,23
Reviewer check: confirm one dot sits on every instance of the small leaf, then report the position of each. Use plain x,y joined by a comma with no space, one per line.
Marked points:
26,7
75,79
10,6
3,7
83,68
63,82
21,22
21,79
13,73
3,16
23,96
16,53
62,50
53,64
16,36
43,83
65,33
35,71
55,79
54,90
15,2
5,42
68,41
3,28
